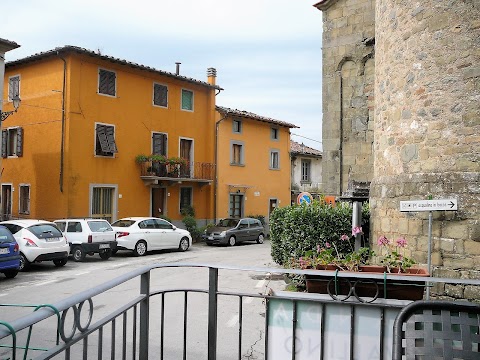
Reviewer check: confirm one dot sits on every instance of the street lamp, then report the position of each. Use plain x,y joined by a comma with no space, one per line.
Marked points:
16,104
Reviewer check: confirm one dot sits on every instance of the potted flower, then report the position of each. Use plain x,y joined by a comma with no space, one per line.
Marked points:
392,260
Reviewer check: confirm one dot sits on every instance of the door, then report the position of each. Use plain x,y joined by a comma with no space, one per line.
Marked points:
186,152
167,237
6,201
158,202
102,203
243,231
236,206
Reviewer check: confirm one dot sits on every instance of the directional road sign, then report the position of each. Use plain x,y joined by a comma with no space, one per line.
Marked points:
429,205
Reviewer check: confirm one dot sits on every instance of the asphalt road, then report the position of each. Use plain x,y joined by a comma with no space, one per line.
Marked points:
46,284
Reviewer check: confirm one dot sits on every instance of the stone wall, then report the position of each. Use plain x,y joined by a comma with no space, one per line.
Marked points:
427,129
348,86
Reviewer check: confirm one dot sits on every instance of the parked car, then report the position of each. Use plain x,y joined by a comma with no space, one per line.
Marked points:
9,254
233,231
38,240
142,234
88,236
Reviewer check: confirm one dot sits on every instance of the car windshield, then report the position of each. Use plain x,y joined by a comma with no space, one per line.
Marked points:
123,223
5,235
99,226
228,223
45,231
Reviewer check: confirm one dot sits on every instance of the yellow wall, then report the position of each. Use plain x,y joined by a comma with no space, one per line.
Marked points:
134,117
261,183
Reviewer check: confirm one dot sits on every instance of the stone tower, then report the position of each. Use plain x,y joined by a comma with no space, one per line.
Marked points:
348,84
427,126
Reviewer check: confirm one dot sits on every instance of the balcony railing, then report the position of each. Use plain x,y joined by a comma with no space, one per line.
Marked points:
188,170
162,322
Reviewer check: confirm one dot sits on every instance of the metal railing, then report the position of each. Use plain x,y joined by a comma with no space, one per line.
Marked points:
187,170
91,325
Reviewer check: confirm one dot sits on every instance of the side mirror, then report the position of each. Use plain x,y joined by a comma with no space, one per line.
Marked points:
174,227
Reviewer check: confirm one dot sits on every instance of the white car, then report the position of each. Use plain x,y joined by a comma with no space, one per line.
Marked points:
38,240
142,234
88,236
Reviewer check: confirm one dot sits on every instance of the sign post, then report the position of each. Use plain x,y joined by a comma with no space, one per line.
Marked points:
430,206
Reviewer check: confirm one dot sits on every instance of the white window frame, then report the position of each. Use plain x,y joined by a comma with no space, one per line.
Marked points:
181,100
271,159
98,82
27,210
14,154
274,133
114,198
309,162
242,154
240,126
19,82
153,95
95,140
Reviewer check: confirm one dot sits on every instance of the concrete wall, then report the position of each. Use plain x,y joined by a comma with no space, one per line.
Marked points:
315,176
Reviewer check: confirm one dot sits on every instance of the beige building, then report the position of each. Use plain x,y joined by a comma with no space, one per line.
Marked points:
306,170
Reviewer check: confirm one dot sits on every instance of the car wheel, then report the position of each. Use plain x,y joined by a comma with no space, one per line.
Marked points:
24,263
232,241
140,248
78,253
260,239
184,245
114,251
10,274
105,255
60,262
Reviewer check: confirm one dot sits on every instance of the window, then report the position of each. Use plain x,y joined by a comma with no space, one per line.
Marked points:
274,133
237,126
74,226
237,154
12,142
105,140
274,159
24,206
187,100
162,224
305,171
102,202
160,95
107,82
236,206
13,87
159,144
185,198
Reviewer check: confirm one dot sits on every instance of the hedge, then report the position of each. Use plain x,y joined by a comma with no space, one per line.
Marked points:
298,228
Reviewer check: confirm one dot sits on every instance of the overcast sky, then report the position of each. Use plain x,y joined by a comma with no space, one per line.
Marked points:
267,52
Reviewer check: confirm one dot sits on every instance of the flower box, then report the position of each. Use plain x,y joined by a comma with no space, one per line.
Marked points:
344,287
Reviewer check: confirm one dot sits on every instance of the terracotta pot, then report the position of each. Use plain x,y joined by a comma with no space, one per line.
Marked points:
365,288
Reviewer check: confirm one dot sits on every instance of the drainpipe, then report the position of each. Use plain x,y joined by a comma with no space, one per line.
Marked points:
216,167
62,146
340,148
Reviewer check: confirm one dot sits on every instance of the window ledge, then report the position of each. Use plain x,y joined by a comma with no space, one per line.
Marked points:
305,182
235,164
275,169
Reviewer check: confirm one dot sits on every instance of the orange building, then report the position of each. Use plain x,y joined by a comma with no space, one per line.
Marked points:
253,164
85,118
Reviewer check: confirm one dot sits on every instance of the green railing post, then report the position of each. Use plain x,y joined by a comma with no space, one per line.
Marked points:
144,315
212,313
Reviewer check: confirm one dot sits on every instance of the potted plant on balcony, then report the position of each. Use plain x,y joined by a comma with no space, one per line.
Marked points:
393,261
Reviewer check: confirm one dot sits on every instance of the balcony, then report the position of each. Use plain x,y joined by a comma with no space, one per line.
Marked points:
153,173
157,321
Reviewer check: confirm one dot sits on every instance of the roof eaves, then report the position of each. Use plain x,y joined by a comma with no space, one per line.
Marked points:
324,4
245,114
79,50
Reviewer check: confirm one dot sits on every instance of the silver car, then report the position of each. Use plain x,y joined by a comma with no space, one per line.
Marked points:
232,231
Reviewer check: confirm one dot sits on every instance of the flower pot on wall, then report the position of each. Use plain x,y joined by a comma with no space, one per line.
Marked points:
344,287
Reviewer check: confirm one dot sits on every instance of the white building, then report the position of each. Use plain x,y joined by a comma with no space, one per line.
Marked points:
306,170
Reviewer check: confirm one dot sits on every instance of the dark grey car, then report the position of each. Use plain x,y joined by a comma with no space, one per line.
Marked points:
232,231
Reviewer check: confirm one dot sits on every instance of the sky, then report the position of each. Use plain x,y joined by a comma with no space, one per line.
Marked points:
267,53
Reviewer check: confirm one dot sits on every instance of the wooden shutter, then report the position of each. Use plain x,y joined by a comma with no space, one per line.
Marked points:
159,144
102,138
19,149
160,95
185,149
4,143
110,135
106,83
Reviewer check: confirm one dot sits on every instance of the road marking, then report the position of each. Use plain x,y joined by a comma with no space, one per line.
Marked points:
233,321
45,282
260,283
82,273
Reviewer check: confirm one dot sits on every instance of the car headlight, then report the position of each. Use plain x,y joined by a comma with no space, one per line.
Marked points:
223,233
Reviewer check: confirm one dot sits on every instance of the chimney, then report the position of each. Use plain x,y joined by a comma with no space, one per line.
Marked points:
211,75
177,68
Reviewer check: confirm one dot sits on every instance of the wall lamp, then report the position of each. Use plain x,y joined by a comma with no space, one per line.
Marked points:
16,104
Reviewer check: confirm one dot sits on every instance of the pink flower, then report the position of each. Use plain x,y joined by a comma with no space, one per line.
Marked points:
383,241
344,237
357,230
319,249
327,245
402,242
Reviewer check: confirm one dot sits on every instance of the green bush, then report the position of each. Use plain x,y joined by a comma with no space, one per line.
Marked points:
191,226
188,210
299,228
258,217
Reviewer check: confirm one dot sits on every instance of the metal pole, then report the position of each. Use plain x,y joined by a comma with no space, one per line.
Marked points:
144,315
212,313
357,221
429,255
